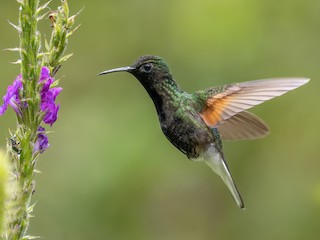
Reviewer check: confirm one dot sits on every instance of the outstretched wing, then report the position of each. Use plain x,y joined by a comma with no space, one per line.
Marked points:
241,126
222,103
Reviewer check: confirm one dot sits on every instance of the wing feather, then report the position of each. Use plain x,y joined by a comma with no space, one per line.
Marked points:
243,126
239,97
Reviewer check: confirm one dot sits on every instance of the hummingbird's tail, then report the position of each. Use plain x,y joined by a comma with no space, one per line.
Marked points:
215,161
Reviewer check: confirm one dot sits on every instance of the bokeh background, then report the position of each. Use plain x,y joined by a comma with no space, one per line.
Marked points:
111,174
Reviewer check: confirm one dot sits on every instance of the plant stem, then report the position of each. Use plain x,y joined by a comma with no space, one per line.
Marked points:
23,162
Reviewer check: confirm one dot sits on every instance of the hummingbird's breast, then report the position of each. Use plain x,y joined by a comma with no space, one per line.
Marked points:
184,128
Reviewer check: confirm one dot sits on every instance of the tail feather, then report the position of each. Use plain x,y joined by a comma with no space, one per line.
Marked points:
216,162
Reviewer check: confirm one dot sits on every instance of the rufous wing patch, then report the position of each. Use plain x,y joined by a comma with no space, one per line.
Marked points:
212,115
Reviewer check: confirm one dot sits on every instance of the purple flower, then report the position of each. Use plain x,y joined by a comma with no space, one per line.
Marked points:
45,74
45,79
48,97
42,142
12,96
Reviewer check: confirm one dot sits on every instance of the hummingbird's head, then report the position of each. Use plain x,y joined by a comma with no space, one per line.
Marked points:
149,70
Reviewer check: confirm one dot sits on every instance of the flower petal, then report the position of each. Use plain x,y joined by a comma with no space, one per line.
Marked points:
42,142
45,74
12,96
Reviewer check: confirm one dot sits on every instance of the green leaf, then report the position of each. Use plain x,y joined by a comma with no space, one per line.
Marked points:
65,58
15,26
42,7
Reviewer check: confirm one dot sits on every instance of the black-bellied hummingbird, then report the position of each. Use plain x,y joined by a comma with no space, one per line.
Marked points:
197,123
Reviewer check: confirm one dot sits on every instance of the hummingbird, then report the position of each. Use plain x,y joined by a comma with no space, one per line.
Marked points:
196,123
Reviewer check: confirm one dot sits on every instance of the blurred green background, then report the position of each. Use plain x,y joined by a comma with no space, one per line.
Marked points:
111,174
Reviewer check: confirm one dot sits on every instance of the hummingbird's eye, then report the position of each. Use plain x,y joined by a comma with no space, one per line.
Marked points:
146,67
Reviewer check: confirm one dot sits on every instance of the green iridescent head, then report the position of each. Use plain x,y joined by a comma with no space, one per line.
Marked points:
147,69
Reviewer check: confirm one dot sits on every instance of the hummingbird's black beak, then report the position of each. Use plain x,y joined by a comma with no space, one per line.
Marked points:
121,69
